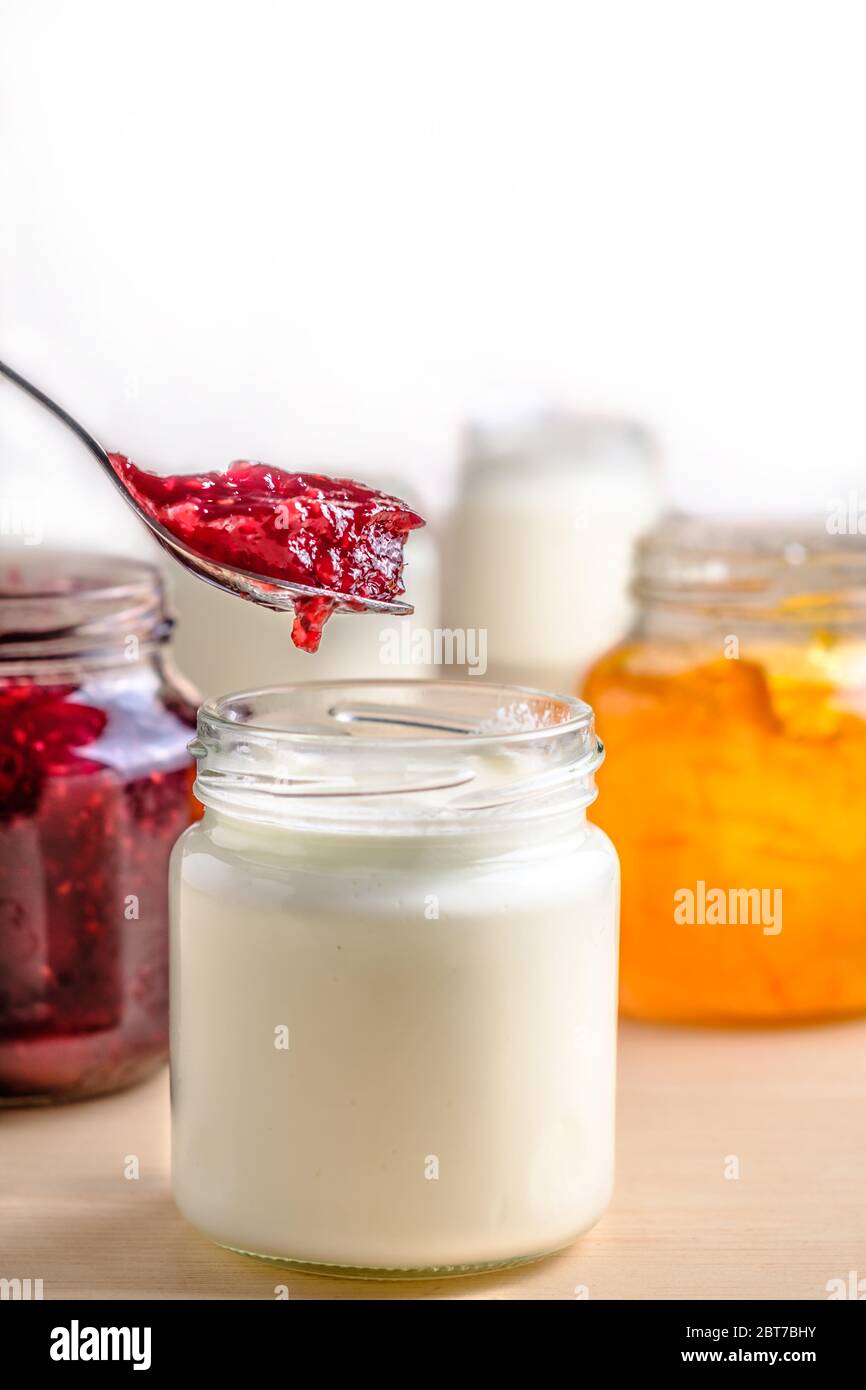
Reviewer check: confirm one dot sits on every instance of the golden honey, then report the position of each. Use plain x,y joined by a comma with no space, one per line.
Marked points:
735,787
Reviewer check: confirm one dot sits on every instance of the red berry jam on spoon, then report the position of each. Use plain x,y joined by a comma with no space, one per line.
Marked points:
329,534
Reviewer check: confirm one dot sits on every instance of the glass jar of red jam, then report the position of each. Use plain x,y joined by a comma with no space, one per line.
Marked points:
95,787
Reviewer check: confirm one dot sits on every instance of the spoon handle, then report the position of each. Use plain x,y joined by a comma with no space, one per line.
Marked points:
68,420
279,594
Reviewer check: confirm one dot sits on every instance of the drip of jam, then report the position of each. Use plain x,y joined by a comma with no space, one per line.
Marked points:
325,533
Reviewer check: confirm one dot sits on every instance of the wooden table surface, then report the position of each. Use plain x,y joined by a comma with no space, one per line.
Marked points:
789,1106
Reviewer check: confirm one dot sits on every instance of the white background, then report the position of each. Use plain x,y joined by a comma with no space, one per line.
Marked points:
323,232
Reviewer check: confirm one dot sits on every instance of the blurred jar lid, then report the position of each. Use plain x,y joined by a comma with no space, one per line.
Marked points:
798,567
552,438
67,603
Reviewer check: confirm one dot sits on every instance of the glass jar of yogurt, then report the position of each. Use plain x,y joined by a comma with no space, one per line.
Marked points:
394,960
538,547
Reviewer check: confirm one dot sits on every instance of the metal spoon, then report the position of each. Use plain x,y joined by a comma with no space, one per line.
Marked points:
263,589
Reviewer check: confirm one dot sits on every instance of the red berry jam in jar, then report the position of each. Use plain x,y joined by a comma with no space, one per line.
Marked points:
95,787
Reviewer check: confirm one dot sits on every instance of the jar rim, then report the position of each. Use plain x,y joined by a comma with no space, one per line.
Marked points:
795,568
56,604
571,438
429,752
230,710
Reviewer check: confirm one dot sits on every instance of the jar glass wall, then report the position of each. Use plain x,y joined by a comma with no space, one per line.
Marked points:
736,792
394,978
95,786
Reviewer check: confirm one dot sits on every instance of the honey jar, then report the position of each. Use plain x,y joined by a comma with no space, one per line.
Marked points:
735,716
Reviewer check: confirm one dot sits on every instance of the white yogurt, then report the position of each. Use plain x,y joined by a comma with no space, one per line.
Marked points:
540,543
448,1000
